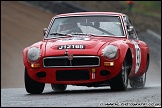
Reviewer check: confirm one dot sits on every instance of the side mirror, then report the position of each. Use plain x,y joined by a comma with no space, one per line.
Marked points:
131,29
44,31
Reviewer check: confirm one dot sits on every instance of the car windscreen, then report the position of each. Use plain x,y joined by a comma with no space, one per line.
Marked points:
97,25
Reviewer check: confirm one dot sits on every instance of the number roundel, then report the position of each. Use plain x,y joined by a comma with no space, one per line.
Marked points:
138,56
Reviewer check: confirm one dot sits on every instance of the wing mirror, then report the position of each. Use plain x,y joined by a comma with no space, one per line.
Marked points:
44,31
131,29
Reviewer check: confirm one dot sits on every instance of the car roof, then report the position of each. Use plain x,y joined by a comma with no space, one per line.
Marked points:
89,13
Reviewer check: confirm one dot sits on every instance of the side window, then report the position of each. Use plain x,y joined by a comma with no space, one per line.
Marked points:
134,35
129,26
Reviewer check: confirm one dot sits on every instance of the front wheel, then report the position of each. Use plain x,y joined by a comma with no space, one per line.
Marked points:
32,86
120,82
58,87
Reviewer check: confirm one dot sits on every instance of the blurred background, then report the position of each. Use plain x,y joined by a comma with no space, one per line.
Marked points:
22,24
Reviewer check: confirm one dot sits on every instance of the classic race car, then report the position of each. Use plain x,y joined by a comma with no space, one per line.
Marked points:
90,49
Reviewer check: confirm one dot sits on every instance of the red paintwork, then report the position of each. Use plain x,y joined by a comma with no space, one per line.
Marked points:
94,47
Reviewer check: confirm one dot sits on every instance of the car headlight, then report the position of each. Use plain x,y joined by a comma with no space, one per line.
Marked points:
33,54
110,51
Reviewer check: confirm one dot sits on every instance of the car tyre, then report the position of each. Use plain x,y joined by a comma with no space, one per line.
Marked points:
58,87
32,86
120,82
139,82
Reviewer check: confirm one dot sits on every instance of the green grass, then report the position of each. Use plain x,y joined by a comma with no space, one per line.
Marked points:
146,7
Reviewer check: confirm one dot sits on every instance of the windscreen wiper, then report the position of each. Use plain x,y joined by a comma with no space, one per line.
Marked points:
60,35
88,34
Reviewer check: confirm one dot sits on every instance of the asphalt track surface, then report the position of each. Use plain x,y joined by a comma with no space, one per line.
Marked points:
21,26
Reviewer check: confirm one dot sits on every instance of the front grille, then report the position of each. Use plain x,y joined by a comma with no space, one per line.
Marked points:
77,61
72,75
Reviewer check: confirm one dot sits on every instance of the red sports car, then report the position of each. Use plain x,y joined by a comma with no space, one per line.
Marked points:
90,49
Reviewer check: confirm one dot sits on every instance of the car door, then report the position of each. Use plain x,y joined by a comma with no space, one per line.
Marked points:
134,45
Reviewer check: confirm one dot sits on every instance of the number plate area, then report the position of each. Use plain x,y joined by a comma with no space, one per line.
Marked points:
72,75
60,47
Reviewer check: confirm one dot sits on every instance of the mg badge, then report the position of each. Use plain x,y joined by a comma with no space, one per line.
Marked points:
70,56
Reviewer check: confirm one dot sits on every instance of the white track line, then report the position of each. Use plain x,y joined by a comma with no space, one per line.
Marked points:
154,34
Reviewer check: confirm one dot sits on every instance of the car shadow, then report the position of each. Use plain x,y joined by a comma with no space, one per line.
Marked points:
91,91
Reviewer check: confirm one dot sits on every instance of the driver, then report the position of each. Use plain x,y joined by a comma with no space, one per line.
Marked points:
70,28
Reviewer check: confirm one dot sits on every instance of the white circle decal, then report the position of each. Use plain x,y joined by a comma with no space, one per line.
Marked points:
138,55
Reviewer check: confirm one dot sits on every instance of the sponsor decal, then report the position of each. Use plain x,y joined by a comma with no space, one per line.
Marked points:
93,75
60,47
